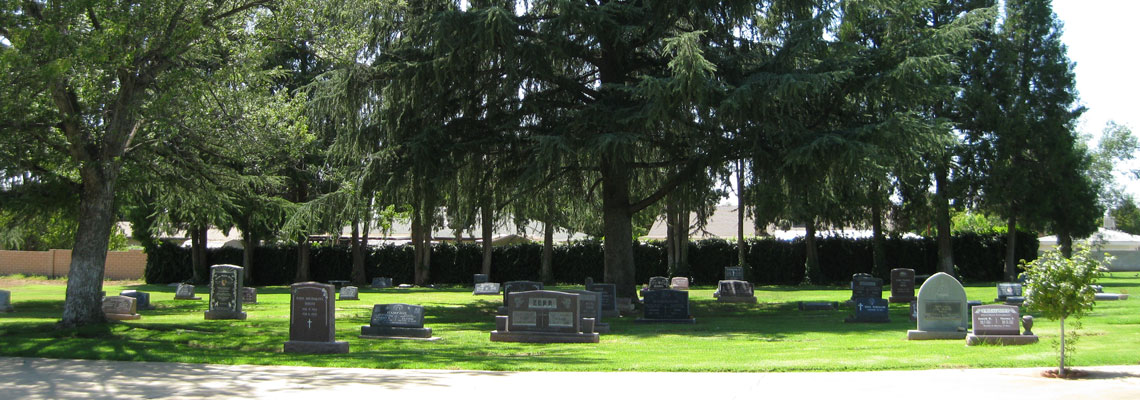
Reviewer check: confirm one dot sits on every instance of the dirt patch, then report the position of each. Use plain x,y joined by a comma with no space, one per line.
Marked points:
1069,374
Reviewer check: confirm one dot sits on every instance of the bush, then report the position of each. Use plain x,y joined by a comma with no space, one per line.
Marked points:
979,257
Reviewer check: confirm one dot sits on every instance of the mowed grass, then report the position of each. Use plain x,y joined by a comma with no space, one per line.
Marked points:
770,336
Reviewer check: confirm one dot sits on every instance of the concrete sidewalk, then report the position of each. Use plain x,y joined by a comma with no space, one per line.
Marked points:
38,378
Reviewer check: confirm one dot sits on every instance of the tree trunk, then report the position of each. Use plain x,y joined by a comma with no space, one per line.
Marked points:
878,248
357,275
487,217
198,260
811,262
1065,240
303,261
83,304
1061,371
677,235
546,272
417,248
942,211
740,251
618,228
249,244
671,248
1011,250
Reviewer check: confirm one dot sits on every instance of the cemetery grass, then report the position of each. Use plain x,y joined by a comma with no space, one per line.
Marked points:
769,336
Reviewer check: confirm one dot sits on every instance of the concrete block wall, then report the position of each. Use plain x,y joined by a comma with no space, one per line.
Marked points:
121,265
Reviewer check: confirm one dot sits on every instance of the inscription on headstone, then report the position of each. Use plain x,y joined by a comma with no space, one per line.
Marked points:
543,316
734,273
942,309
866,286
734,292
312,322
902,285
349,293
248,295
870,309
679,283
658,282
519,286
1010,293
666,306
142,299
119,308
998,324
225,292
185,292
609,298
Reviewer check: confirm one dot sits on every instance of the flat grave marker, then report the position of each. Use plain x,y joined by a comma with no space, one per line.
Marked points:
312,320
142,299
396,321
225,292
818,305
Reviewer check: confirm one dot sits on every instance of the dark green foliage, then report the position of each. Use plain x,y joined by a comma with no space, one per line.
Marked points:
775,262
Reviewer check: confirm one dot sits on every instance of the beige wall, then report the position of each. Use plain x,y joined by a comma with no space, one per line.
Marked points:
56,263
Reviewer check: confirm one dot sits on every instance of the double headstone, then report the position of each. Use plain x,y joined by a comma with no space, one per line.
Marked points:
225,292
6,302
734,273
142,299
248,295
870,309
543,316
590,305
312,320
656,283
120,308
679,283
902,285
866,286
185,292
942,309
671,306
998,324
349,293
1009,293
487,288
734,292
396,321
381,283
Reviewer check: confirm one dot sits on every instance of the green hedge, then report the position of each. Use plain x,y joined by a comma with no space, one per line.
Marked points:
774,262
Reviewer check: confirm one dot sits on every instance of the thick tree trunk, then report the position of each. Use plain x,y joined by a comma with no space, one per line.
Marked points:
942,211
487,217
417,249
1065,240
677,235
303,259
83,304
357,275
249,244
546,272
618,228
1011,250
812,273
878,247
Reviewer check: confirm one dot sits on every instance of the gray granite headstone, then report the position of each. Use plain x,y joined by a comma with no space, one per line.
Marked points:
942,309
6,302
225,292
734,292
248,295
902,285
1009,293
120,308
142,298
590,305
349,293
486,288
866,286
543,316
396,320
679,283
381,283
658,282
312,320
609,298
185,292
519,286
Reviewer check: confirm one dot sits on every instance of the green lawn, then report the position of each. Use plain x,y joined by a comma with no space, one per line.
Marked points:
770,336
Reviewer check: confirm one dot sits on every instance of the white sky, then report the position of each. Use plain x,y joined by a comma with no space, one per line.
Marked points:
1099,36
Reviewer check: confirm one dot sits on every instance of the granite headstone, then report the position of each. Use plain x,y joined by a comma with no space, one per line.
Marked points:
942,309
225,292
734,292
312,320
902,285
142,299
185,292
120,308
609,299
543,316
679,283
248,295
396,321
866,286
870,309
486,288
734,273
6,302
671,306
998,324
590,306
349,293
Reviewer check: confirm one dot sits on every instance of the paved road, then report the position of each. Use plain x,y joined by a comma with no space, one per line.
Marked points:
38,378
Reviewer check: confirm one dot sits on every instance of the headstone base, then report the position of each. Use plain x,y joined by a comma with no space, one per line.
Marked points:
395,331
1111,296
736,299
348,298
901,299
666,321
224,314
122,317
187,298
422,339
302,347
914,334
1004,340
1011,300
818,306
544,337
